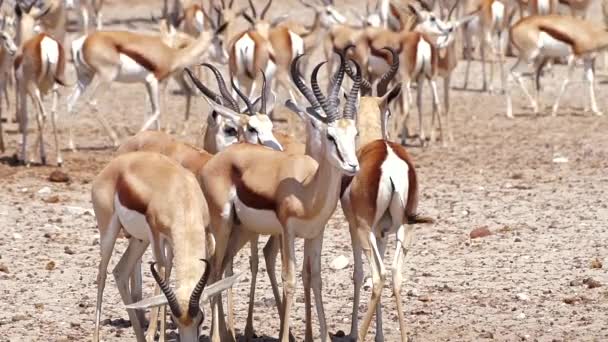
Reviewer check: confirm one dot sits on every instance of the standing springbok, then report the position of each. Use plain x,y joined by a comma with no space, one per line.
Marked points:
104,57
380,200
156,202
538,38
85,9
490,27
7,51
284,194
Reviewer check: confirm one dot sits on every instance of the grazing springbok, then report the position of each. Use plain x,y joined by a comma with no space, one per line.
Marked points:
380,200
103,57
155,201
538,38
8,49
253,190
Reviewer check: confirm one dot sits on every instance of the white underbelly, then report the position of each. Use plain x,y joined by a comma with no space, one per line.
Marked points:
551,47
130,71
377,65
256,220
132,221
423,58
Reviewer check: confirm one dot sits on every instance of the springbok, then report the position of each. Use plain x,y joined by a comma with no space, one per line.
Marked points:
268,195
380,200
8,49
103,57
156,202
538,38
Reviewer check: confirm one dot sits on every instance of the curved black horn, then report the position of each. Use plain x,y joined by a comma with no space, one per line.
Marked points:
231,3
263,14
208,92
223,4
390,74
452,9
334,94
299,82
164,286
318,94
221,84
264,90
245,99
248,18
195,297
255,15
350,108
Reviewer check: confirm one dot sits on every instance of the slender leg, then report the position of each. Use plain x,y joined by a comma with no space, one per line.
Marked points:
106,245
271,251
590,78
404,238
482,52
253,264
122,273
136,289
306,279
516,71
421,135
469,57
368,243
289,280
3,90
446,101
40,118
221,234
357,280
54,124
437,110
571,65
152,88
314,253
23,122
381,243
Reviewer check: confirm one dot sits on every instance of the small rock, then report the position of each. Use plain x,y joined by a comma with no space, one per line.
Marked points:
48,235
591,283
18,318
50,266
44,190
412,293
480,232
39,306
17,236
340,262
51,199
368,284
571,300
596,263
68,251
560,160
517,239
59,177
523,297
486,334
576,282
74,324
424,299
521,315
4,268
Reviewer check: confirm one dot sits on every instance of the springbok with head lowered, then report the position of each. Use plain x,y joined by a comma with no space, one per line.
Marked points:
155,201
8,49
253,190
103,57
380,200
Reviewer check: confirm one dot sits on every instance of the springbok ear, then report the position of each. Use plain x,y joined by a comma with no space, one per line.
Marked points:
210,291
224,111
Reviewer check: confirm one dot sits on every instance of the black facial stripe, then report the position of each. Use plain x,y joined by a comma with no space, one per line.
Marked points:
338,150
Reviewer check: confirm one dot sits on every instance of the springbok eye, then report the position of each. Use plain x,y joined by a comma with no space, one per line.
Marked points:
331,138
252,130
432,19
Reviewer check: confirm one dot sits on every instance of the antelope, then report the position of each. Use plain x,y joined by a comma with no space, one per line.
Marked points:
538,38
271,196
39,65
380,200
490,27
85,8
8,49
103,57
156,202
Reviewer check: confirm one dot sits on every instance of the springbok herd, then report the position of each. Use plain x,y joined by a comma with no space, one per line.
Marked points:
198,207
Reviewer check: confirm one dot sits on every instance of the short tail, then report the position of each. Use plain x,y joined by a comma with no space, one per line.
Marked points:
415,219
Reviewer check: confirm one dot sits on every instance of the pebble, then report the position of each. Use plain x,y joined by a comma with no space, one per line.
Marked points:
412,293
560,160
4,268
480,232
596,263
521,315
523,297
68,251
44,190
52,199
339,263
59,177
591,283
50,266
17,236
18,318
368,284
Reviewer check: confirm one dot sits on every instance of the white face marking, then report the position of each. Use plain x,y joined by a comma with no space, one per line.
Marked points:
330,16
199,21
259,131
340,146
132,221
430,24
130,71
551,47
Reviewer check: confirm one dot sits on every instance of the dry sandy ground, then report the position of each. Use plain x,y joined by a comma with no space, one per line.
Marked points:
528,280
